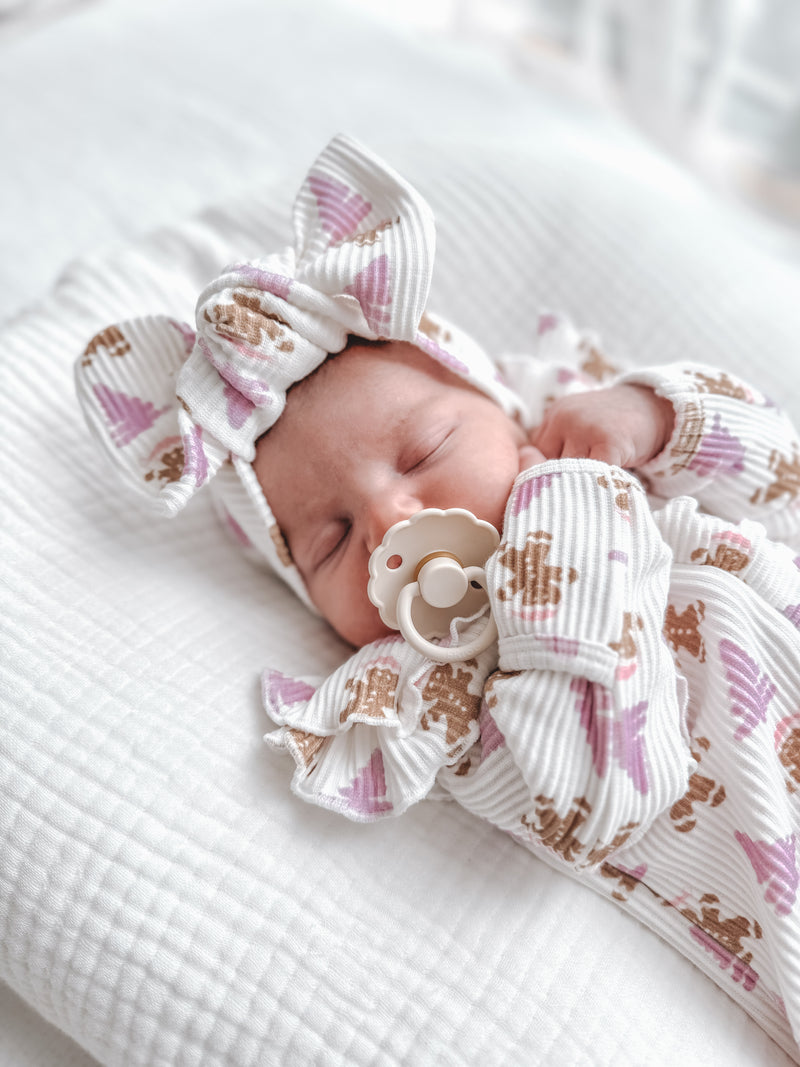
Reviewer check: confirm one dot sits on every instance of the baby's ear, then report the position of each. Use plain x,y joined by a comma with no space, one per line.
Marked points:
126,385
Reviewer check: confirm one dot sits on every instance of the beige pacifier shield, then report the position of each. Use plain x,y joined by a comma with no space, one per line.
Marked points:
395,563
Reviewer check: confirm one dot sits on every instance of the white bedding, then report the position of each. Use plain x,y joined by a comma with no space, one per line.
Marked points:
163,898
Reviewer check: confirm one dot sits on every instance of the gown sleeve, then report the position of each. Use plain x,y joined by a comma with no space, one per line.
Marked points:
733,450
582,729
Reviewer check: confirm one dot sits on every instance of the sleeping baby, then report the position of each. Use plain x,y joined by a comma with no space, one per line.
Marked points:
636,721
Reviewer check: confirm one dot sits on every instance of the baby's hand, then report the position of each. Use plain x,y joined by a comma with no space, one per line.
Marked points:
529,456
624,424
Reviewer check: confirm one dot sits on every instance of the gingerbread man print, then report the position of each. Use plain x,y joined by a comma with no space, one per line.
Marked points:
538,581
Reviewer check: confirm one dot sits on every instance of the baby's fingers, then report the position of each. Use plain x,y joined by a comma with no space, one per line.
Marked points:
607,453
549,439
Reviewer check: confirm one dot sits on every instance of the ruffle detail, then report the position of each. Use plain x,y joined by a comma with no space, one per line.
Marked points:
370,740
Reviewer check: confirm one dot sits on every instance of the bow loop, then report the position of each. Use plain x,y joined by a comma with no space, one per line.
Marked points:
125,381
362,264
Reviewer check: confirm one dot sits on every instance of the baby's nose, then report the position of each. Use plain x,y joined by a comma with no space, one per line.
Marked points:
386,509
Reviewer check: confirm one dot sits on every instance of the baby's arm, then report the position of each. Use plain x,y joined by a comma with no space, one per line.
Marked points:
732,449
690,431
586,704
625,425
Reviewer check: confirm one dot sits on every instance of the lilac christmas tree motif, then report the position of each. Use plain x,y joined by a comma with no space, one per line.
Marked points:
280,691
238,408
719,453
366,794
750,689
792,613
620,739
740,971
265,280
371,289
257,392
774,863
127,416
341,209
237,531
427,344
195,461
187,334
532,489
491,735
547,322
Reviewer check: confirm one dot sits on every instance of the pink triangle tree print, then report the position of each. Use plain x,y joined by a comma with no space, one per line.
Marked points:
341,209
750,689
775,867
366,794
127,416
371,289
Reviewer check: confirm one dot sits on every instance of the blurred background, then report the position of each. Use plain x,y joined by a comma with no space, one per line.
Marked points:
716,83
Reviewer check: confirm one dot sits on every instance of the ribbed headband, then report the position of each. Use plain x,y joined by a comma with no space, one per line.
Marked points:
176,409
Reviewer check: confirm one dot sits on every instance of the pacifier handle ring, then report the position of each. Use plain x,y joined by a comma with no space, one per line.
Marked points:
442,653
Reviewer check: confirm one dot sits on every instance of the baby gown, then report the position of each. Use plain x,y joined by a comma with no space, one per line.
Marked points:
637,723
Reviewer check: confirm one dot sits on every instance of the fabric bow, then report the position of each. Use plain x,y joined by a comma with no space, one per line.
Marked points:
361,263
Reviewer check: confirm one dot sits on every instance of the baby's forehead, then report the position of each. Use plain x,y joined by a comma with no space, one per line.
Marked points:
387,372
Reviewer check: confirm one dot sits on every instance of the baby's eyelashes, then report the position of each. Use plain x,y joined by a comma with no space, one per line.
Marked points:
424,452
331,544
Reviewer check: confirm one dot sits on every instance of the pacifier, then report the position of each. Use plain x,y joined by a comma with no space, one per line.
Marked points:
429,570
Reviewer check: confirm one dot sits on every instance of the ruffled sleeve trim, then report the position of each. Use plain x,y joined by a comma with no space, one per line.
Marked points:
369,742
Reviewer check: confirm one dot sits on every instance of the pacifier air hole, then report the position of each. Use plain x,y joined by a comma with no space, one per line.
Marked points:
432,551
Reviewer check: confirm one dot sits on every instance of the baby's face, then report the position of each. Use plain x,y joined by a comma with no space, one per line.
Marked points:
375,436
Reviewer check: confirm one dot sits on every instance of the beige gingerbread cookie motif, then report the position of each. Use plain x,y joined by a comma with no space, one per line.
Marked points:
690,437
245,320
724,937
372,695
787,478
721,385
727,557
370,237
595,363
787,747
447,690
307,746
531,574
682,630
111,340
626,646
281,547
559,833
622,486
627,881
702,790
169,466
434,330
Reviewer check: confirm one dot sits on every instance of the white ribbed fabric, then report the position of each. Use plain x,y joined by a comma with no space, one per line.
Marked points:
642,728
